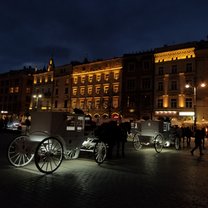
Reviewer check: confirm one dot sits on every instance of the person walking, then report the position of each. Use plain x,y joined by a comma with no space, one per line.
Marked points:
199,135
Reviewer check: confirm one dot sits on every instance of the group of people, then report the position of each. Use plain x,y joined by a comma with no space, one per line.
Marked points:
185,134
115,135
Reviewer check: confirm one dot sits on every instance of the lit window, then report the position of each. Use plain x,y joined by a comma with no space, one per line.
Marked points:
97,89
82,79
16,90
115,88
106,88
11,90
97,103
75,80
74,91
98,77
73,103
90,78
115,102
106,77
28,90
82,90
89,90
82,104
116,75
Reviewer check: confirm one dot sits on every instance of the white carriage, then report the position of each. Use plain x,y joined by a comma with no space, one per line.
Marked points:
53,136
156,133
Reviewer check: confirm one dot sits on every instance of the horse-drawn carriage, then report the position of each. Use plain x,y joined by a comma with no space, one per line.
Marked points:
157,133
53,136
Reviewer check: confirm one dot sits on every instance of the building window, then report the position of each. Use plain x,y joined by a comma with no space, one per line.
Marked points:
89,90
73,104
28,90
74,92
11,90
97,90
65,103
116,75
146,65
160,86
83,79
131,67
160,103
82,90
82,104
75,80
98,77
115,88
173,103
189,67
16,89
90,77
106,89
67,81
115,102
56,104
97,103
66,90
146,83
161,70
106,77
174,69
188,102
173,85
56,92
131,84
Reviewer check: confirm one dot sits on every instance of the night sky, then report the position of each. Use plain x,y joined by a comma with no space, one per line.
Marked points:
31,31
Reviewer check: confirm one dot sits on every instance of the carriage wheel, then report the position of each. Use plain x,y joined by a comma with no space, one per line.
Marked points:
158,143
48,155
72,154
19,151
136,142
100,152
177,143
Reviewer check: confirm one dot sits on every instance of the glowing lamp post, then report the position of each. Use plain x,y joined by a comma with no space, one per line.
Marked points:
195,99
37,97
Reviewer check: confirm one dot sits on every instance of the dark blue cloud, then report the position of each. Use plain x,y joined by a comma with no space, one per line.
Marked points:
31,31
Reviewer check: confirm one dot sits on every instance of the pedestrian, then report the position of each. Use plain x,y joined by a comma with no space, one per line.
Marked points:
28,124
199,135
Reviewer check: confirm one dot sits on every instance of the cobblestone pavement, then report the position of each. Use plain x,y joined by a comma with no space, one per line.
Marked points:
143,179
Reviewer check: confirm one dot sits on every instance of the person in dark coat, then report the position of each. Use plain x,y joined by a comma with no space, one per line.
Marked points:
199,135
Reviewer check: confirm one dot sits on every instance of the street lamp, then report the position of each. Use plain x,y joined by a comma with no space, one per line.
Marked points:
195,99
37,97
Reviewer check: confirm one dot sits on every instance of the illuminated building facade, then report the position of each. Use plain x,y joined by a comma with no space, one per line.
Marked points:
15,91
42,98
62,88
138,85
176,66
96,88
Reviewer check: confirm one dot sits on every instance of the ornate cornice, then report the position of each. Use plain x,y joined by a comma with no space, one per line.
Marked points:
174,55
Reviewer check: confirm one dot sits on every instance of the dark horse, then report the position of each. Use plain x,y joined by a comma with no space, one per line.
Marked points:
113,134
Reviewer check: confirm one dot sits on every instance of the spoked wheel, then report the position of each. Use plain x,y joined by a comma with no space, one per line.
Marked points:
177,143
136,142
48,155
19,151
158,143
100,152
72,154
